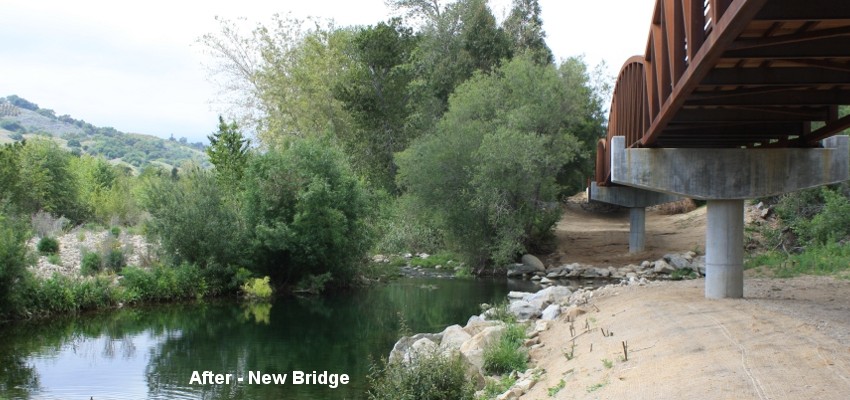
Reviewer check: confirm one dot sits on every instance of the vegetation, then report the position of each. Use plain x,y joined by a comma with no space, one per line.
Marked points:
508,353
441,131
257,288
48,245
430,375
812,234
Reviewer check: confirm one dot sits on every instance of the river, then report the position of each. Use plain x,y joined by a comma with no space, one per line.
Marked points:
152,352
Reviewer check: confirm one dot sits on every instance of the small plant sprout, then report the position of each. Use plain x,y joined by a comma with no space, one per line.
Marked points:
607,363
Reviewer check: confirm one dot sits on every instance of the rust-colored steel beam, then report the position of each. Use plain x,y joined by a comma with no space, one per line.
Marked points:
734,73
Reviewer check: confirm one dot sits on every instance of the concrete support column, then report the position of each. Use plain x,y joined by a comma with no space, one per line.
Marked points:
637,229
724,249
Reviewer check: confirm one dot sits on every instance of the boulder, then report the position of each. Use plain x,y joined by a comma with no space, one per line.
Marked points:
542,325
551,312
524,310
552,294
520,270
512,295
677,261
402,347
699,265
533,262
475,327
453,337
473,349
546,281
661,267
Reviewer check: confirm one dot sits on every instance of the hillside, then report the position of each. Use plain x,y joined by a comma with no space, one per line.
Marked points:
22,119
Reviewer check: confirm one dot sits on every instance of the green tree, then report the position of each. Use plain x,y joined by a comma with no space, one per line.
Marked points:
11,191
489,172
192,220
307,213
524,27
375,92
13,261
49,183
228,152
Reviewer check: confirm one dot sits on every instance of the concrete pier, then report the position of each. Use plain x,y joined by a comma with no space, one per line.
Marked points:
636,200
724,249
637,229
725,177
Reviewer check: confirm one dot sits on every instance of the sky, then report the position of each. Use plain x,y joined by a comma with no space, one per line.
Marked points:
136,66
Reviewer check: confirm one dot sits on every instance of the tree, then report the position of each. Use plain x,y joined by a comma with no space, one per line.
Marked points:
228,152
489,172
524,27
306,213
375,92
49,184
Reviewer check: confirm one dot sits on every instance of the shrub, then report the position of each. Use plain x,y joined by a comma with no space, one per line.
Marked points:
115,231
91,263
313,284
114,260
13,262
165,283
257,288
307,213
192,220
54,259
48,245
508,353
429,376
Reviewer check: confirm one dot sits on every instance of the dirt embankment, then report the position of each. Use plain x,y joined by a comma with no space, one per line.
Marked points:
788,339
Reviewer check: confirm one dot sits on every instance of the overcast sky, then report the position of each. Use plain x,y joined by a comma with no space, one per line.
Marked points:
136,66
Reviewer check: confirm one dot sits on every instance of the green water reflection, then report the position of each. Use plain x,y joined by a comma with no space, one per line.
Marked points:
152,352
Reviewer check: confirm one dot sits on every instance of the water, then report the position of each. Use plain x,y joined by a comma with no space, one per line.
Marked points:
152,352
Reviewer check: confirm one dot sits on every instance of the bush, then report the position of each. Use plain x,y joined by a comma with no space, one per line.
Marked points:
257,288
508,354
13,262
114,260
162,283
307,213
429,376
192,220
91,263
48,245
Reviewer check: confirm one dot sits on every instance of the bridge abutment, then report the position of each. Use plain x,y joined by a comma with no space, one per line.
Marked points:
725,178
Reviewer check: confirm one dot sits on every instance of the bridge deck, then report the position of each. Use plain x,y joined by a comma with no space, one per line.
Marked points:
735,73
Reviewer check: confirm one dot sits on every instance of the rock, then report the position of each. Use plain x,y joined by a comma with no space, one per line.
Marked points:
423,345
453,337
531,342
380,258
533,262
603,273
551,312
512,295
536,278
645,265
473,349
438,267
408,256
525,384
524,310
542,325
677,261
661,267
472,319
519,270
401,349
698,265
553,294
554,274
475,327
546,281
424,256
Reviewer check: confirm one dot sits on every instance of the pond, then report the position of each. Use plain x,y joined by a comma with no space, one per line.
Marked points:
153,352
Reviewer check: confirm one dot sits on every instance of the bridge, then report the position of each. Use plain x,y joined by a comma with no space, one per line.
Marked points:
732,100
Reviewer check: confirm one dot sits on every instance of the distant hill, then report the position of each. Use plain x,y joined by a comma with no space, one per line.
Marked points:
21,119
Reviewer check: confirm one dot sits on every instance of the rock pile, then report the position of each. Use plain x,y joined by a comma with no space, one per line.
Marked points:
664,268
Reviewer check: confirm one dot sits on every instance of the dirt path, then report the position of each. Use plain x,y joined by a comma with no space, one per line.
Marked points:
602,238
788,339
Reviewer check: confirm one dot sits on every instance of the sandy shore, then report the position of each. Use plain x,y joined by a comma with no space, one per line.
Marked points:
789,339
